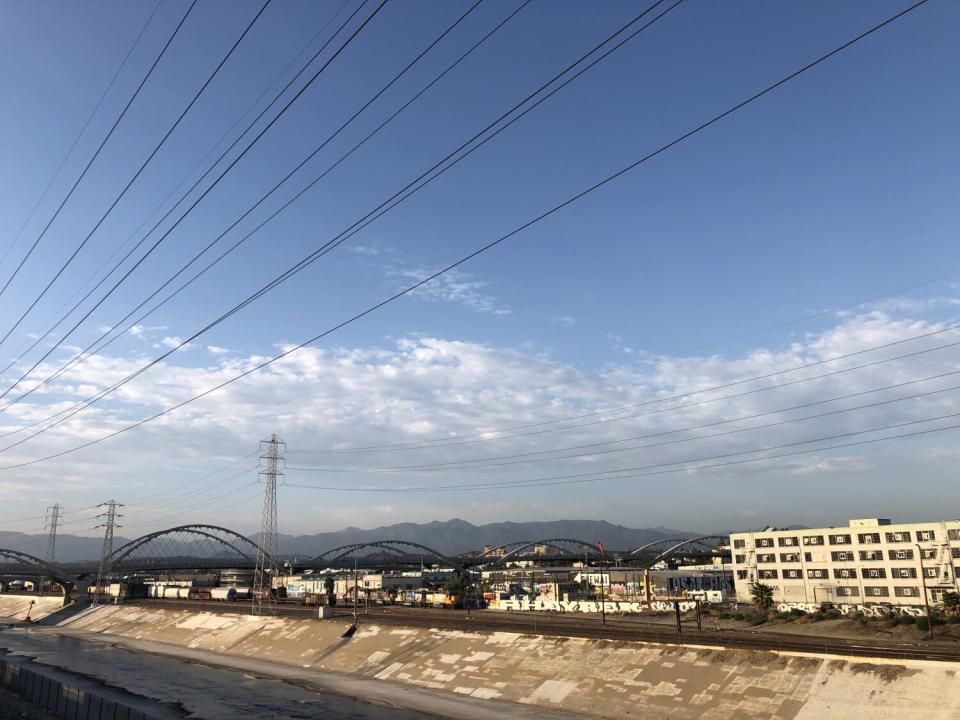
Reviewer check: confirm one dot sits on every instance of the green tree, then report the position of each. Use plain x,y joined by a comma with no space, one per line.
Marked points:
457,586
951,603
762,596
328,585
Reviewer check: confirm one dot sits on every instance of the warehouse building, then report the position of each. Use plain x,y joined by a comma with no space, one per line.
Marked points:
872,561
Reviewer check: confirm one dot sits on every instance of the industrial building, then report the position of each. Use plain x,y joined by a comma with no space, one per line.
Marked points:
871,561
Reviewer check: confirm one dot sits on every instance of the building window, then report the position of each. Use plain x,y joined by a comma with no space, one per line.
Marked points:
906,591
768,574
839,539
903,573
929,553
868,538
873,573
955,552
739,559
841,556
809,557
741,574
925,535
765,542
897,537
787,541
813,539
767,558
789,557
954,533
901,554
877,592
867,555
930,572
847,591
844,573
739,543
793,574
817,573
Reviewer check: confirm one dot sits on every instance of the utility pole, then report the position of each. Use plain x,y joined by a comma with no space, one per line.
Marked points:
926,600
110,516
271,459
356,573
52,524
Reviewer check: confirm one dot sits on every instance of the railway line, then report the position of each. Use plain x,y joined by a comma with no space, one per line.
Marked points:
616,628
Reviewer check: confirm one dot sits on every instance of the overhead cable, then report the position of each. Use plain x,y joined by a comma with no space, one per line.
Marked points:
481,250
99,148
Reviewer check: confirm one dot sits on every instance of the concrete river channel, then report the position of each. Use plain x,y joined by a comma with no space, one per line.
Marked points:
167,688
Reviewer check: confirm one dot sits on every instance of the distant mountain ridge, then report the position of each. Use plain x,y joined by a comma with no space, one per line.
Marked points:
456,536
450,537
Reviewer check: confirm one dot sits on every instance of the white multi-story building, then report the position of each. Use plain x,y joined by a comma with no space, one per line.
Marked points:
870,562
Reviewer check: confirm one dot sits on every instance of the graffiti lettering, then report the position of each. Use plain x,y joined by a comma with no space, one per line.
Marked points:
867,610
589,606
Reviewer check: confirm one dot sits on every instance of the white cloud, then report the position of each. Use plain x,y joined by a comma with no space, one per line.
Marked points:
452,287
424,388
563,320
217,350
365,250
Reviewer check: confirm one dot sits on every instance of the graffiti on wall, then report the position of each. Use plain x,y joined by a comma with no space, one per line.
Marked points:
868,610
588,606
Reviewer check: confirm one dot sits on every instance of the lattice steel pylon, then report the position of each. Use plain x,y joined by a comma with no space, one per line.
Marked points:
52,524
106,552
271,457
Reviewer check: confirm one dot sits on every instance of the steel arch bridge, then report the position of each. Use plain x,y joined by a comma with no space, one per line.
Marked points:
672,545
41,567
187,545
343,552
557,543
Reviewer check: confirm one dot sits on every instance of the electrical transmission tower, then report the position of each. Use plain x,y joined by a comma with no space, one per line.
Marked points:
53,522
111,516
271,459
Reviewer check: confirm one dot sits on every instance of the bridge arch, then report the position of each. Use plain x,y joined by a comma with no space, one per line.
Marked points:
674,544
551,542
517,543
345,551
49,570
244,547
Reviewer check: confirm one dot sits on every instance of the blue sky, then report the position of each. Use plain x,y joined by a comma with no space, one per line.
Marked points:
838,187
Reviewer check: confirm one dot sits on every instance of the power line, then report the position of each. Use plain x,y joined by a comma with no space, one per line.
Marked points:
193,482
477,252
481,437
100,147
117,199
80,357
202,195
76,140
189,174
514,459
354,228
159,222
607,475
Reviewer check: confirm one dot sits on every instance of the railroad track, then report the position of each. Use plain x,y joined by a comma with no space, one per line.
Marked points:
616,629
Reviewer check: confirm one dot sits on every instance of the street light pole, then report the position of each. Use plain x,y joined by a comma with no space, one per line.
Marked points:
926,600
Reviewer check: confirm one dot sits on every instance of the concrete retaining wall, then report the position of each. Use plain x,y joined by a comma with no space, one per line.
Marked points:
610,679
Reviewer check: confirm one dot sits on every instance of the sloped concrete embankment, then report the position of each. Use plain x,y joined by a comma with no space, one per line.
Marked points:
15,607
609,679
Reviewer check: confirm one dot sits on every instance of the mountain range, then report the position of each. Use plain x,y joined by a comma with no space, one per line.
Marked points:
450,537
